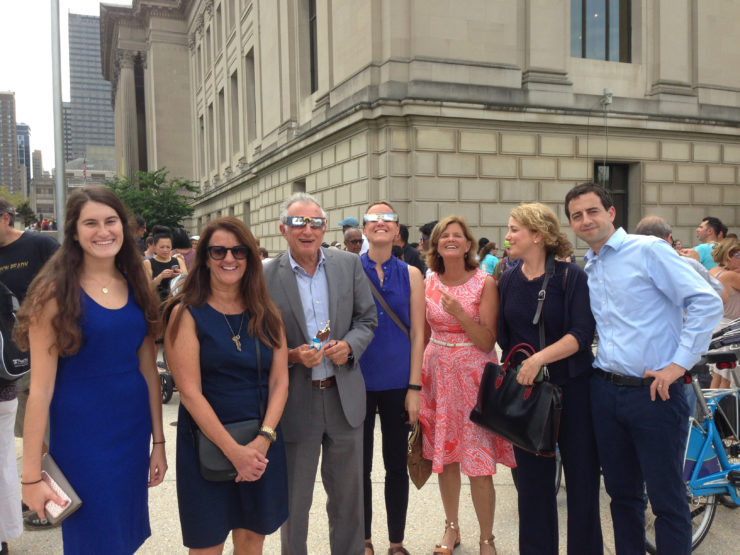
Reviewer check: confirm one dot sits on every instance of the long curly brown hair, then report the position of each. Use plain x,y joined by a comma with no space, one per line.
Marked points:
59,279
264,319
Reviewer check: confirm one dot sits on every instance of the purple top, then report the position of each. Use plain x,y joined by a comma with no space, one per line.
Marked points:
386,362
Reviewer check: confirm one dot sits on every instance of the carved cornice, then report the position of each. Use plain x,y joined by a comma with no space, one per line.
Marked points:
191,42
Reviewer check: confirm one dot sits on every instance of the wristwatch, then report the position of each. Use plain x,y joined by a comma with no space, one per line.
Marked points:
269,433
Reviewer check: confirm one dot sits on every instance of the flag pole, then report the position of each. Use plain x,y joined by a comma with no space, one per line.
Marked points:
60,198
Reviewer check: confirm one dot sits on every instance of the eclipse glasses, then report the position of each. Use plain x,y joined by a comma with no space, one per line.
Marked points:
389,217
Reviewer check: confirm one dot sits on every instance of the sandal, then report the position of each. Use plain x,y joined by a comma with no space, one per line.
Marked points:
444,549
490,542
398,549
369,545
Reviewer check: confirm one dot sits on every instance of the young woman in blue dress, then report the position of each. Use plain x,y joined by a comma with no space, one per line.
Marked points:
90,318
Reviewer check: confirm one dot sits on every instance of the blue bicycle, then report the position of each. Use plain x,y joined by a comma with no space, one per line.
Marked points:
712,463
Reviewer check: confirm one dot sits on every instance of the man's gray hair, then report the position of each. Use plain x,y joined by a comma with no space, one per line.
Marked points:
654,225
298,197
6,207
351,231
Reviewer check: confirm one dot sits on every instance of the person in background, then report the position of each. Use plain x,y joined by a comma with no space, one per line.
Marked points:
391,366
487,257
149,252
90,318
353,239
505,263
217,321
22,255
677,244
534,236
654,317
194,241
727,256
181,246
264,254
163,266
461,311
426,231
352,223
710,231
140,232
410,252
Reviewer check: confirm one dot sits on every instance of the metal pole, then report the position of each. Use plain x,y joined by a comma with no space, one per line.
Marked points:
56,71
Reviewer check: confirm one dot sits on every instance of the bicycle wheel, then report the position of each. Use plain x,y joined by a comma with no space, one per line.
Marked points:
703,509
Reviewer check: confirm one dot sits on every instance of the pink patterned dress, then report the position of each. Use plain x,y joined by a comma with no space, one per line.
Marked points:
450,378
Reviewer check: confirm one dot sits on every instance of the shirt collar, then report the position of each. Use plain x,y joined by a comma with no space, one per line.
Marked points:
614,242
297,267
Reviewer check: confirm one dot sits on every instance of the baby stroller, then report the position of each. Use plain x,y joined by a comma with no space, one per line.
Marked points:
165,377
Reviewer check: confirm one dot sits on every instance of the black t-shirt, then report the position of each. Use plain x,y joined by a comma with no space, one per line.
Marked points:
22,259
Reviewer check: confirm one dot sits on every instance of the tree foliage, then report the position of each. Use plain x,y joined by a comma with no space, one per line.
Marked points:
155,197
13,198
24,212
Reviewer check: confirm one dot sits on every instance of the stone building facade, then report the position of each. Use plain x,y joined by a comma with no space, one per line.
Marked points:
439,106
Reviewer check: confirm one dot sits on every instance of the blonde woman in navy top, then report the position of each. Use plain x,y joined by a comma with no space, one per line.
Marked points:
391,366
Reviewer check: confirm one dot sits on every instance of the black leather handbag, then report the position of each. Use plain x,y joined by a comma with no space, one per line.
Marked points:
212,463
528,416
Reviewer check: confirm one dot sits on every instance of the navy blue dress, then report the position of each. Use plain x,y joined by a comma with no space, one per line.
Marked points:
100,426
210,510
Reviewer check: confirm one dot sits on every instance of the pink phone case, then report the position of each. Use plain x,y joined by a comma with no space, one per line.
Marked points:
52,508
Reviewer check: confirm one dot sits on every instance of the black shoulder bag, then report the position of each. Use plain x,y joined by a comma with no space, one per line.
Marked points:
528,416
213,464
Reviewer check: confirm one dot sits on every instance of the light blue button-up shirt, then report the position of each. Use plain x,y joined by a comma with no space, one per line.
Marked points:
314,292
640,290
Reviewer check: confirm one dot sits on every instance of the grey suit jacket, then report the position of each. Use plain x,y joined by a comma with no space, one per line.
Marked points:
353,319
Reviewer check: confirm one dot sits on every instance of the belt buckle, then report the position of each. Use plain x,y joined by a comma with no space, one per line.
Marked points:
321,383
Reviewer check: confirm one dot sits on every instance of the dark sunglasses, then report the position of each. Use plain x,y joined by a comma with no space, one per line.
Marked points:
301,221
218,252
355,241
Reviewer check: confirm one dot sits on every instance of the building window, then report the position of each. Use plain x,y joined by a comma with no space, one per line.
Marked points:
601,30
234,120
250,104
312,49
222,126
615,179
299,186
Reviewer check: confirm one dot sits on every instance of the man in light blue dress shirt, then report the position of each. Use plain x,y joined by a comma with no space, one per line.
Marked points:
317,289
654,316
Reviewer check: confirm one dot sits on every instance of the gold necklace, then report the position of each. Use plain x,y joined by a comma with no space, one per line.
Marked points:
104,288
235,337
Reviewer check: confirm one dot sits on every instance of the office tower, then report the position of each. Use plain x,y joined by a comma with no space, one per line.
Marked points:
37,163
9,169
90,119
23,132
67,130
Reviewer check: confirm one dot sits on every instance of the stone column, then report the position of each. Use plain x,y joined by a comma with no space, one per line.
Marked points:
127,107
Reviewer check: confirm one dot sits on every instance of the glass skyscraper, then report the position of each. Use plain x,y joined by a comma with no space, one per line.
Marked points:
89,121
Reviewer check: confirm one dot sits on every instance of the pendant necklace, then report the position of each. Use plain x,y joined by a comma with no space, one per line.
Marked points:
104,289
235,336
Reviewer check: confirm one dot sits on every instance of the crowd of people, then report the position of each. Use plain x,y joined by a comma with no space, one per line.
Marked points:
317,343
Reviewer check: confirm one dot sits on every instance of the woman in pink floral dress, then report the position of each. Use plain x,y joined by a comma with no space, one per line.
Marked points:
462,307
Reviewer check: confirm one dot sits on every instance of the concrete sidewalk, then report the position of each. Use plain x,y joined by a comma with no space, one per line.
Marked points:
425,522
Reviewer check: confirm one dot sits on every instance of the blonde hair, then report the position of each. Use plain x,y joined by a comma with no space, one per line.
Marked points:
723,251
538,218
434,259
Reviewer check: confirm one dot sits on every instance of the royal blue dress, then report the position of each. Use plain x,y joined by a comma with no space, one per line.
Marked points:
100,426
210,510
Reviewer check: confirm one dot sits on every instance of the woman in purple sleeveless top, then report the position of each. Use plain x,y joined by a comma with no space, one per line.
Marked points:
391,366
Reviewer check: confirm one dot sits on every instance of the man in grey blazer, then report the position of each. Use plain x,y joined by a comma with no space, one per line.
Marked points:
326,404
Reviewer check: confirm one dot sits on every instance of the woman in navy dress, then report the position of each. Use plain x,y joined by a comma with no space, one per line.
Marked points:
534,234
210,347
90,317
391,366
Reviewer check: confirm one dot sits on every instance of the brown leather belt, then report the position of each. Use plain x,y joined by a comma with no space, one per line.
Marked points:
325,383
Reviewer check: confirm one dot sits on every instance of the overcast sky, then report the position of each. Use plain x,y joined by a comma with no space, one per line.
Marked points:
25,62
